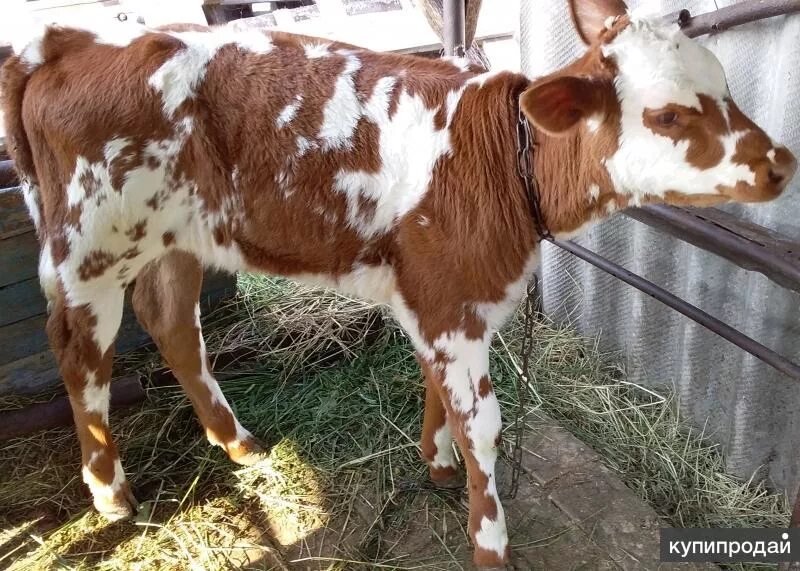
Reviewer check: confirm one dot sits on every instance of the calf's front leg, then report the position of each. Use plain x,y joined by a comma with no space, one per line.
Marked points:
460,375
470,401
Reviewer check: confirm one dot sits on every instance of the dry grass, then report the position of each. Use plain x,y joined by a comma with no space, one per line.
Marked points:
333,385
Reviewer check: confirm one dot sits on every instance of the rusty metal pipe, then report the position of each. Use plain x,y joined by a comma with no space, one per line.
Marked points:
694,313
747,245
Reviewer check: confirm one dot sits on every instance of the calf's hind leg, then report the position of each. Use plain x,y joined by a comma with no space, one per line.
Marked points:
437,437
82,339
166,300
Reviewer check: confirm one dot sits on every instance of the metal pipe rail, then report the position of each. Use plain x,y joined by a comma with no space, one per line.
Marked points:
730,16
743,243
694,313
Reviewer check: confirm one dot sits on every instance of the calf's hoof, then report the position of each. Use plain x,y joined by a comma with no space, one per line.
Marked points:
118,505
486,560
448,478
247,452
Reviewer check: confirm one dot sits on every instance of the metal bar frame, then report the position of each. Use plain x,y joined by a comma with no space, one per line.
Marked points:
725,18
454,29
693,312
747,245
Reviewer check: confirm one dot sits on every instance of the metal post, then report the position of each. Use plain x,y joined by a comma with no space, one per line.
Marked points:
453,12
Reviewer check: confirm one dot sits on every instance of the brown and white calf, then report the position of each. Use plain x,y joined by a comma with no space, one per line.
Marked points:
386,176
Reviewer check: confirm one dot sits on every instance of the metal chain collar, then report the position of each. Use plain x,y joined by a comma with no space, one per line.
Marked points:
526,145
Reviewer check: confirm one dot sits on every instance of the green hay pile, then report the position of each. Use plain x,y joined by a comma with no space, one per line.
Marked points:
332,384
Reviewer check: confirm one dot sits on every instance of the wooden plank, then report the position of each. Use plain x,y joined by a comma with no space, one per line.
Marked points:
32,374
28,366
27,336
125,391
22,338
14,219
8,176
20,301
19,258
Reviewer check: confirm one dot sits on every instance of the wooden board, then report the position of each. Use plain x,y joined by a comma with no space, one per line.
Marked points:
27,365
19,258
20,301
14,217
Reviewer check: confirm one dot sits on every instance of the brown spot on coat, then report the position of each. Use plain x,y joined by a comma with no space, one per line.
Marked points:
137,231
95,264
702,129
484,386
90,182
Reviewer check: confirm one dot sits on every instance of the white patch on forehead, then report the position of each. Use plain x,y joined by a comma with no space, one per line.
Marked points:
659,65
287,113
594,191
343,110
179,76
771,155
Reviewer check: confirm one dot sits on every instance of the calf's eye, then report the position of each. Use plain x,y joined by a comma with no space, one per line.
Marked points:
667,118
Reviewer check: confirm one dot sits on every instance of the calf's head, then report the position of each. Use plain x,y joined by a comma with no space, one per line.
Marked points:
657,105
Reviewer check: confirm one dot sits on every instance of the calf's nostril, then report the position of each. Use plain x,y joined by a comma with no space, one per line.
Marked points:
775,177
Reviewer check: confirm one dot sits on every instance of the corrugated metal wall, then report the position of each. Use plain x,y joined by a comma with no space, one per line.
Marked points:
753,411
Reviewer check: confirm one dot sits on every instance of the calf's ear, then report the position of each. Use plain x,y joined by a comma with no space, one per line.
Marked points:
589,16
556,105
